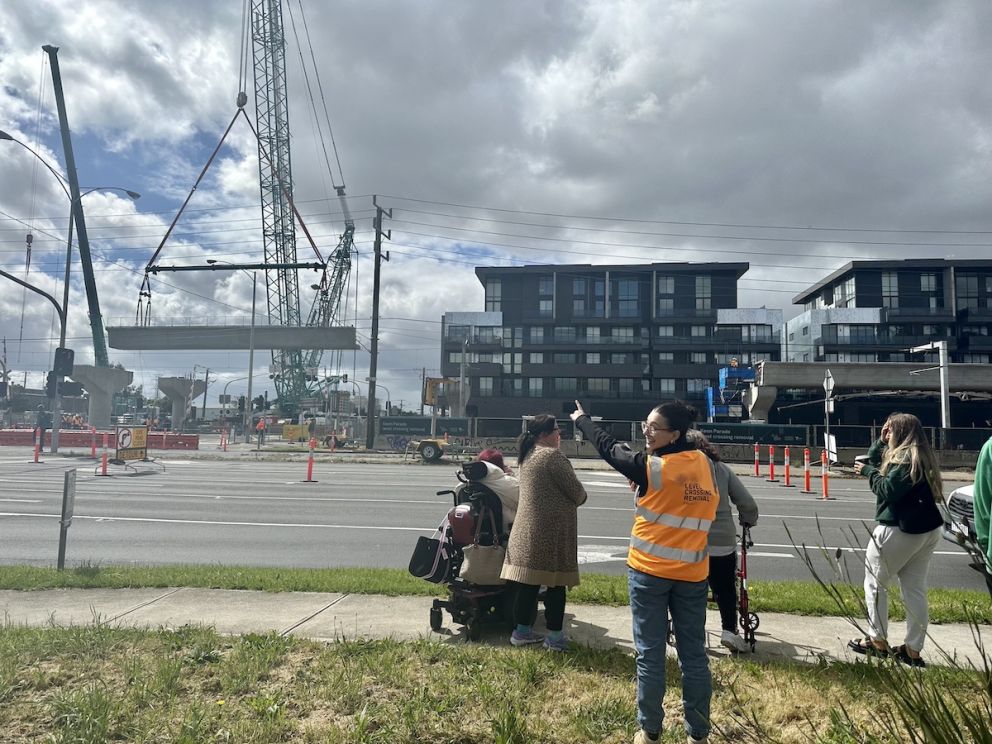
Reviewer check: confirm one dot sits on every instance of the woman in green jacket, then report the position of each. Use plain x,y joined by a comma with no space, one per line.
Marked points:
905,478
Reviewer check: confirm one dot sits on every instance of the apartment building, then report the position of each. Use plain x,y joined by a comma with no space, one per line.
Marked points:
620,338
873,311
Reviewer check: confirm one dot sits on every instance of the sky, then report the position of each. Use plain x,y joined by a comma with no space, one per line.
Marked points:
795,135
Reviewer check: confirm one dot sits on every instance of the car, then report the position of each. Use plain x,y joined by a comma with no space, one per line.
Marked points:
959,516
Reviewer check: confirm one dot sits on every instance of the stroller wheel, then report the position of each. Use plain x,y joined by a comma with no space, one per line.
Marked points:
473,630
437,620
752,621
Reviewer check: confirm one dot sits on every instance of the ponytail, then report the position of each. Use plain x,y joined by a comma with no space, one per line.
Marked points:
543,423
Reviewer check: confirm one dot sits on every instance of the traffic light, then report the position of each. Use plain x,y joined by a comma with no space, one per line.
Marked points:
63,361
241,404
50,385
344,377
258,403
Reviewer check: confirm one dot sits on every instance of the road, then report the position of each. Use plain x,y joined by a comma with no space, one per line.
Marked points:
259,513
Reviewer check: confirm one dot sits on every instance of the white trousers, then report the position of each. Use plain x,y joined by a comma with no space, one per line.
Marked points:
891,554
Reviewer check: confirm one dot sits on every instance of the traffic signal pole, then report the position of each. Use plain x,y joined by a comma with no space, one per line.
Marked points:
374,361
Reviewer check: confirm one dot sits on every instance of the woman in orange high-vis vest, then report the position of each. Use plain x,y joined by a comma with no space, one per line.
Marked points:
667,562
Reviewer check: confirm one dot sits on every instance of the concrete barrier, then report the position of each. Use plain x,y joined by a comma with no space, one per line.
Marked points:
83,439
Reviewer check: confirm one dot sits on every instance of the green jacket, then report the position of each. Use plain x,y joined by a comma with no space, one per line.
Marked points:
899,499
983,498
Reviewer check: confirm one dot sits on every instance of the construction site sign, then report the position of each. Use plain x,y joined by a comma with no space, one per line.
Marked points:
132,443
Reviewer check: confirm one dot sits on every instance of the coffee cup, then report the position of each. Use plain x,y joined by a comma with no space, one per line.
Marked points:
863,459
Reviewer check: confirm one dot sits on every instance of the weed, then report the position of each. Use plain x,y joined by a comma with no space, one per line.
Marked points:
509,727
85,716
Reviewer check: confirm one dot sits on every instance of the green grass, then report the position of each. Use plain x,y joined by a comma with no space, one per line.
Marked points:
191,685
793,597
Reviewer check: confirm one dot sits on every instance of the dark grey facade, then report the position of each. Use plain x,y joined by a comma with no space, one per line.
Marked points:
873,311
620,338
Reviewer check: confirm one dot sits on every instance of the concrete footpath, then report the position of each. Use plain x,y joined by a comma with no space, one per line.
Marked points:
331,617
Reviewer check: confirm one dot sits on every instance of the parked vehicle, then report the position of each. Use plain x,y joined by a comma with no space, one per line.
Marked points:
959,516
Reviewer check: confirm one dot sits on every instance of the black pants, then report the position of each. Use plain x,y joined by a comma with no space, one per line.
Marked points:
723,582
525,605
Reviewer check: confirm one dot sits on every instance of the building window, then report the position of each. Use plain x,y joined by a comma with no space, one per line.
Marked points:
545,296
598,299
623,335
537,335
666,331
536,357
627,298
967,290
592,357
459,332
806,359
618,358
928,288
626,385
890,289
535,387
455,357
563,357
512,363
792,336
805,330
485,386
665,298
494,295
704,292
592,335
579,307
598,385
696,386
666,385
513,338
565,335
565,385
697,357
699,331
666,357
579,287
844,293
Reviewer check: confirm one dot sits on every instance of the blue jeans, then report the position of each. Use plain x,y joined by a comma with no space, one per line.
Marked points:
651,599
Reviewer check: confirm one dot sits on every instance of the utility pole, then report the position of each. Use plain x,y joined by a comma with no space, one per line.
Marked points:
462,398
423,381
206,384
828,408
374,362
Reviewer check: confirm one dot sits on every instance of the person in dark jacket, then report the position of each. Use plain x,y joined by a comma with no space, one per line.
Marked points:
667,561
43,422
903,473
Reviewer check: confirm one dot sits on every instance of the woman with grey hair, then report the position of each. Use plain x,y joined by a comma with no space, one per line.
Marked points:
722,545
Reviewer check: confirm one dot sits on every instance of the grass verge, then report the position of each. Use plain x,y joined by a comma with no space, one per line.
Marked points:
792,597
96,684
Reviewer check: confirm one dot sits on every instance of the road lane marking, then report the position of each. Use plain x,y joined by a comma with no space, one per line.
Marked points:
21,501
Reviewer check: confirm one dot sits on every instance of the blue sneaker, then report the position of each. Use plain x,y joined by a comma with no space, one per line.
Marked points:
559,645
525,638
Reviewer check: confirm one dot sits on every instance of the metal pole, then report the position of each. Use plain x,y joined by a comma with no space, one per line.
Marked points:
945,393
374,362
206,384
251,357
96,317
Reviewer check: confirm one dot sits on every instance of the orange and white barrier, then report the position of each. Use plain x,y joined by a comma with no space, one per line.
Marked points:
824,476
757,461
787,465
93,442
807,479
771,464
310,479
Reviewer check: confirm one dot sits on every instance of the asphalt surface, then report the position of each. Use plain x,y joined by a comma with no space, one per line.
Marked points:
236,509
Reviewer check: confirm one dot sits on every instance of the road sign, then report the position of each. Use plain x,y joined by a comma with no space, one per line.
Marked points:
68,504
132,443
828,383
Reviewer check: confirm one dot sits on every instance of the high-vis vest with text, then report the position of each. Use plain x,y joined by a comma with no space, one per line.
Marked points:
673,518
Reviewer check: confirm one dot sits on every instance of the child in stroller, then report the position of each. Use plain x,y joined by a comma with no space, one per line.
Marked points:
466,555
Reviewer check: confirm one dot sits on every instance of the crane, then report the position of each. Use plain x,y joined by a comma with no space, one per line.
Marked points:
293,371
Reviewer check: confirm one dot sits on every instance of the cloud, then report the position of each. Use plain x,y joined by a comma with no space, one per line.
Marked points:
537,116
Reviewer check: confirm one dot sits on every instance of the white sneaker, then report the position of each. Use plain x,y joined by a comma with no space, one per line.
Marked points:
734,642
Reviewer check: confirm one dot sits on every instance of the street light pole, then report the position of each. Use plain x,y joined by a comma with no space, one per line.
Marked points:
251,357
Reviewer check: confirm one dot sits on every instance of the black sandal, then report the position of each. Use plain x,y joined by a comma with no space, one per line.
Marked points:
914,661
865,647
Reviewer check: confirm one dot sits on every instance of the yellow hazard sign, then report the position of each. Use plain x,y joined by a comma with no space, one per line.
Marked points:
132,442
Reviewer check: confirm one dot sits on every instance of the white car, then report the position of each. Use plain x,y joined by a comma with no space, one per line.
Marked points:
959,516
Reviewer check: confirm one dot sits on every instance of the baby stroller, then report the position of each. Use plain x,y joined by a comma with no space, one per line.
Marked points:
475,524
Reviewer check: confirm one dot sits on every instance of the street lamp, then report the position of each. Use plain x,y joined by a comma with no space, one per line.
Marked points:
246,418
73,204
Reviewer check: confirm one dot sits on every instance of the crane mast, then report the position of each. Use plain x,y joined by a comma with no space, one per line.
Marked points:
276,184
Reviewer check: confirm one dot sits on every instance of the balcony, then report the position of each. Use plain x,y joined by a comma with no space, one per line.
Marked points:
975,313
925,314
687,313
866,341
976,343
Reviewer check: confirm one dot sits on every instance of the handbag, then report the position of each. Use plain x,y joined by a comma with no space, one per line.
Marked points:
431,559
481,564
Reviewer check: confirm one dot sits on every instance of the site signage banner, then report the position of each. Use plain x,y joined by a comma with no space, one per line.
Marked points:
421,426
747,433
132,442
